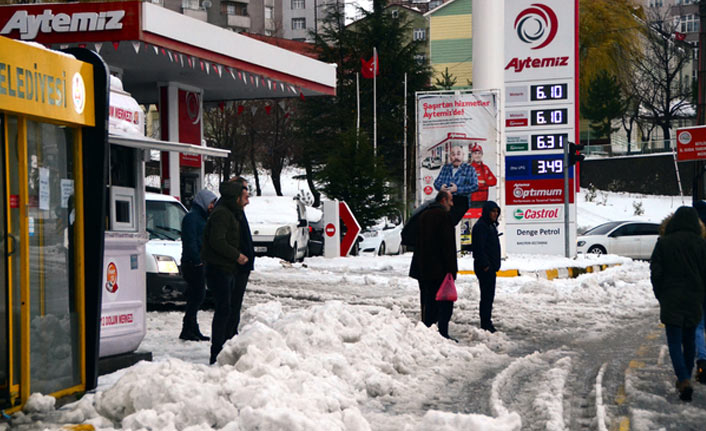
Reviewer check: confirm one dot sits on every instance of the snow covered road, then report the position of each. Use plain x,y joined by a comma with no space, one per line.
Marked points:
337,345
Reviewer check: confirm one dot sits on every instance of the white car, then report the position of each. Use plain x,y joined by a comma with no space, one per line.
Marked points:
279,227
431,162
383,238
163,250
634,239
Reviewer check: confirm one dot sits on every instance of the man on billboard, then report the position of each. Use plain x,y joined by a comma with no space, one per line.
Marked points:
458,178
486,179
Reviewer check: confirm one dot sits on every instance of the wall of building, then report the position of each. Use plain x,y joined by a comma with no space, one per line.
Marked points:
450,41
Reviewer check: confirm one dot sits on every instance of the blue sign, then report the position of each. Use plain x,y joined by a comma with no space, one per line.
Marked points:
545,166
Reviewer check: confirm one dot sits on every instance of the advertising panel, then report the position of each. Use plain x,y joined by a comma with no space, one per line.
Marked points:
691,143
457,130
540,119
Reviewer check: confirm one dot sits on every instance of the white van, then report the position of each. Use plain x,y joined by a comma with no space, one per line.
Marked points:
279,227
164,214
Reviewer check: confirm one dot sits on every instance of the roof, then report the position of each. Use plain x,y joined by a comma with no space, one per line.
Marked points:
303,48
148,44
441,6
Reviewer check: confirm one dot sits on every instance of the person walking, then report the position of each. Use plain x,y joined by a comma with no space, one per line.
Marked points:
486,260
192,226
699,340
678,276
434,257
226,261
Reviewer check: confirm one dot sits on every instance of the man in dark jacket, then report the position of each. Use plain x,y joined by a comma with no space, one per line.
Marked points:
223,255
192,227
486,260
678,276
434,257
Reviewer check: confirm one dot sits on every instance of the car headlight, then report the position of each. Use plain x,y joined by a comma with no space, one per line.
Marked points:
581,243
166,264
283,231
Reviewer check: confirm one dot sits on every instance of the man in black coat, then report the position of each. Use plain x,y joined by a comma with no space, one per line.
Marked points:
192,227
486,260
434,257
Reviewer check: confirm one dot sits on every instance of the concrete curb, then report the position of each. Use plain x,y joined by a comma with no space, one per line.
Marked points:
550,274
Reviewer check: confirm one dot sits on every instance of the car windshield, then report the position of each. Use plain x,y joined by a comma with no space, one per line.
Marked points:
164,220
602,229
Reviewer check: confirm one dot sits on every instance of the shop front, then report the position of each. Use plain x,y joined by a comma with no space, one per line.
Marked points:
53,150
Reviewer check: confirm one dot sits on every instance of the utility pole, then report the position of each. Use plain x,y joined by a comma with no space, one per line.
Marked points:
698,184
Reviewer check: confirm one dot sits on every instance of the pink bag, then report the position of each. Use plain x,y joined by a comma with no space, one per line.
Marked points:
447,291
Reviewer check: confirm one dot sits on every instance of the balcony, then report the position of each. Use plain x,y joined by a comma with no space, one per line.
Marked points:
238,21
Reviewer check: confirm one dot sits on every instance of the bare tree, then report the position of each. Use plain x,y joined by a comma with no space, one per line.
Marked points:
223,129
664,95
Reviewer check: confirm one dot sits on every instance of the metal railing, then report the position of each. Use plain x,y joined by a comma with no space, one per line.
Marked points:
619,147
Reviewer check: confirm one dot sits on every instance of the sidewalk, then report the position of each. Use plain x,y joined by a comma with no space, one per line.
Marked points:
546,266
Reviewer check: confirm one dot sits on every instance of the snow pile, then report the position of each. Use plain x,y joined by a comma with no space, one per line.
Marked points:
320,368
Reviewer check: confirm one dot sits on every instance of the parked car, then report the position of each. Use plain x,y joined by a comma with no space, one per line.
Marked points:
634,239
279,227
431,162
384,237
163,249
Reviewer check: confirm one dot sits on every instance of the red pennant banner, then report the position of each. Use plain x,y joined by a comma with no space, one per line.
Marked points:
241,108
115,45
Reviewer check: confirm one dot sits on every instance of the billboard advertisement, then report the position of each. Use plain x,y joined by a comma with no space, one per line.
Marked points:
457,132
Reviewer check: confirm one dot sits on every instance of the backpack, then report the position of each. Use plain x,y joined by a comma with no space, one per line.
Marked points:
411,228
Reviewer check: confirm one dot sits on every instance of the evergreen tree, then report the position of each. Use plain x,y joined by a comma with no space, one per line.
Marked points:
324,120
603,103
446,81
352,174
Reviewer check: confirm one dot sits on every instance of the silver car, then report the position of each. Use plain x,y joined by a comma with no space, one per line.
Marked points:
634,239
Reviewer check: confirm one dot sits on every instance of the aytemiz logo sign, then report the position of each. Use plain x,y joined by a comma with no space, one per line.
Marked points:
545,27
71,22
536,25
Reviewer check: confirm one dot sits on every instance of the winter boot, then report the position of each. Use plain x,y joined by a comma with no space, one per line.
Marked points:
200,336
701,371
685,390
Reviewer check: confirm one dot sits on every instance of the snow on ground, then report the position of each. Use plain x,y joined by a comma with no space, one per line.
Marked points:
336,344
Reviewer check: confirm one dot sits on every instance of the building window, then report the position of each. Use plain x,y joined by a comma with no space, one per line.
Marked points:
433,4
688,23
420,59
657,3
395,13
683,2
240,9
298,4
420,34
298,23
269,12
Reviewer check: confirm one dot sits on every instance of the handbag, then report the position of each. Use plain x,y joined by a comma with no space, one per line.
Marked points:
447,290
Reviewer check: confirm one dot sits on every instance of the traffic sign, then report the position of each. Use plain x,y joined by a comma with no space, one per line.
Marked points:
330,229
352,226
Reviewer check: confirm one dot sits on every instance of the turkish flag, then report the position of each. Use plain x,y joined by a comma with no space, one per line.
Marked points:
679,36
366,68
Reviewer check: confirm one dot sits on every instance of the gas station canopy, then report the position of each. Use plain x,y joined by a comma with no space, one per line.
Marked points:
147,45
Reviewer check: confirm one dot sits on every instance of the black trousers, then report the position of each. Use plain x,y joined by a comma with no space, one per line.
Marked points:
228,291
195,293
486,279
434,311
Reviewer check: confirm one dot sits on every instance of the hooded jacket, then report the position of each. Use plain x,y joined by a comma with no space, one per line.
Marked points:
484,241
435,251
221,236
192,226
678,269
